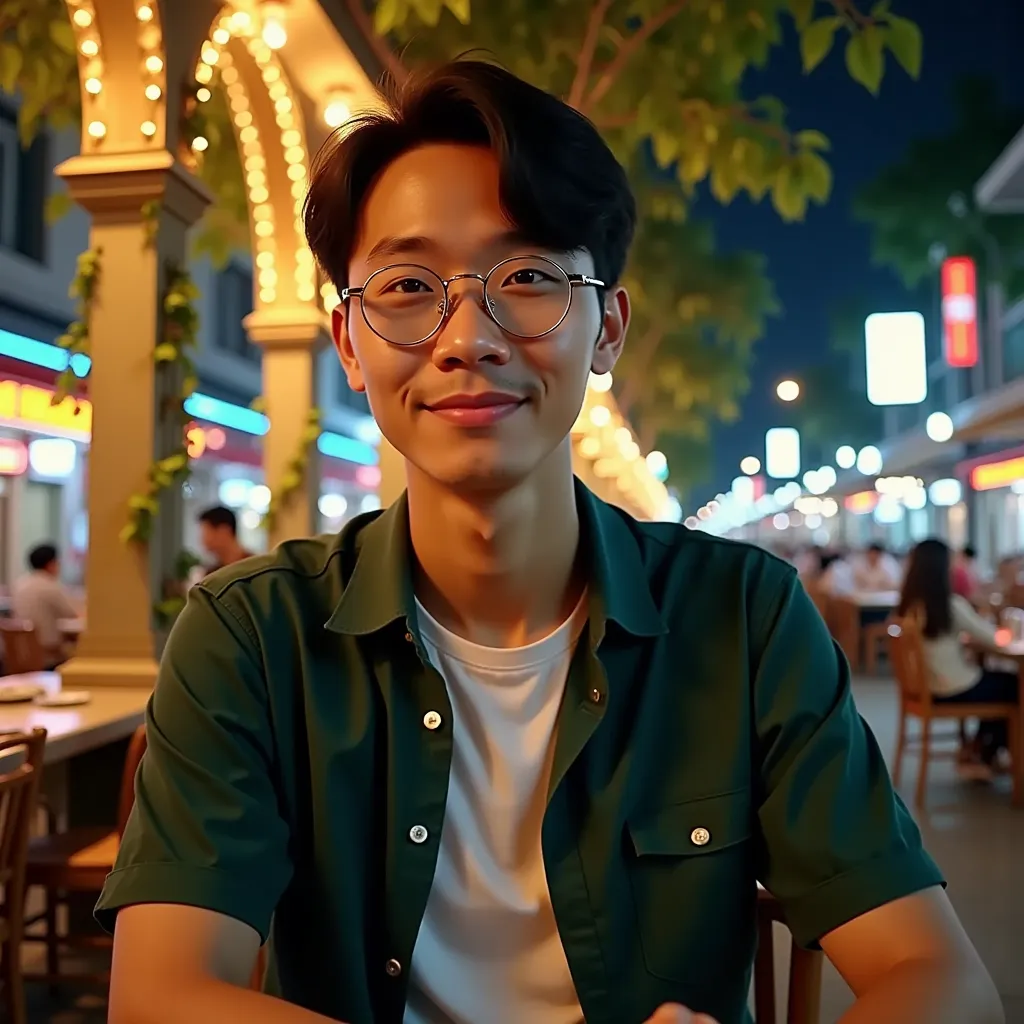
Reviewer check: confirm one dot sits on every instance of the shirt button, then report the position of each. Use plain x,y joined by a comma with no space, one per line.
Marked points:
418,834
409,638
432,720
700,837
393,968
595,696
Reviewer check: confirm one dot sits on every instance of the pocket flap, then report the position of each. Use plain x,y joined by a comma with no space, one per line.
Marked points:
695,827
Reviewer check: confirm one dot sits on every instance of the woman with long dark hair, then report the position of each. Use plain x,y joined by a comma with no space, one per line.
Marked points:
945,617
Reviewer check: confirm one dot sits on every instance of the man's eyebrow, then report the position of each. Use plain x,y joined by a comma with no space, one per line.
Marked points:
406,245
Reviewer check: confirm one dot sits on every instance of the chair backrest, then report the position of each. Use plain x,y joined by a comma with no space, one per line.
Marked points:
22,652
19,791
821,600
136,748
909,665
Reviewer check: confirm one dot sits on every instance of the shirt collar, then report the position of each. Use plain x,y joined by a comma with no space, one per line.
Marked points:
380,590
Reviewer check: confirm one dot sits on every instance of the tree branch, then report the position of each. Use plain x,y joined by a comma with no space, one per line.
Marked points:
848,9
774,131
645,353
387,57
589,48
617,120
628,49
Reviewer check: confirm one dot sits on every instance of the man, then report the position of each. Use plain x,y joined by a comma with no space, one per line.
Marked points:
876,570
218,533
501,753
40,598
965,573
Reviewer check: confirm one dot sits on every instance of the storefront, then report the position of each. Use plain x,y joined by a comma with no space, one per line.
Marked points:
997,481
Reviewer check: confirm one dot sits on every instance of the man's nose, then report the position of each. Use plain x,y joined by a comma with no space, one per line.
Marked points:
468,334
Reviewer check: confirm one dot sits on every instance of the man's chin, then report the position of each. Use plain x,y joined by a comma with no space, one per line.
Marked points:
475,476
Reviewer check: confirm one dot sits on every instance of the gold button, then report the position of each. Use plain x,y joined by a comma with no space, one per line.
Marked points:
393,968
432,720
700,837
595,696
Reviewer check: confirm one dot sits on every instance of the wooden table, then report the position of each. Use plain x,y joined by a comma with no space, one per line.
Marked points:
113,714
875,598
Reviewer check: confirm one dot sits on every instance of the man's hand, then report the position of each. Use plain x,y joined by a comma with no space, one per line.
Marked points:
673,1013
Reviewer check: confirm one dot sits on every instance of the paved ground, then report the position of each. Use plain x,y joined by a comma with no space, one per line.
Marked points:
969,828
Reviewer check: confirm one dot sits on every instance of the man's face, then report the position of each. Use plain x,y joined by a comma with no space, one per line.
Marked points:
214,539
874,557
438,206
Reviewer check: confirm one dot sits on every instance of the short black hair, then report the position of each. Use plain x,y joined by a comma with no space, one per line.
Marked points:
969,552
561,185
877,547
219,515
41,556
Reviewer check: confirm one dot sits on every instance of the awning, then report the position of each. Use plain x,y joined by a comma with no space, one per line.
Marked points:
1001,190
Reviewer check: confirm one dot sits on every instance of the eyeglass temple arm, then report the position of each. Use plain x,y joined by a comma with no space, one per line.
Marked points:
583,279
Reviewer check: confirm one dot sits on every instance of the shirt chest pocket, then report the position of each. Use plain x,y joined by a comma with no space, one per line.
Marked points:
691,870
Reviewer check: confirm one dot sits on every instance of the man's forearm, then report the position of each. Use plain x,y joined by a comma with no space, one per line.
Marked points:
928,993
210,1002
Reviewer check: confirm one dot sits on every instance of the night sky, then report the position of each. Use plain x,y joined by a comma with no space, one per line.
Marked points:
826,259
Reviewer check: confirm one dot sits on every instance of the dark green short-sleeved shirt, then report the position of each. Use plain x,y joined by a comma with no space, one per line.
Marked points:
707,739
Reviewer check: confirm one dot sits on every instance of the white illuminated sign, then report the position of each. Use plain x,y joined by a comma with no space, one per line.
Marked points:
897,364
52,457
782,453
945,493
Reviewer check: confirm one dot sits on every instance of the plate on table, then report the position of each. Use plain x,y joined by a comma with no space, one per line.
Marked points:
19,693
63,699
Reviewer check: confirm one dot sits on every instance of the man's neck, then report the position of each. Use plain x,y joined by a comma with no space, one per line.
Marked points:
499,570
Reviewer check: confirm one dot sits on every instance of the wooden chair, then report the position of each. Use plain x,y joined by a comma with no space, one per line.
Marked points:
873,636
22,652
906,651
78,861
19,789
803,1005
846,629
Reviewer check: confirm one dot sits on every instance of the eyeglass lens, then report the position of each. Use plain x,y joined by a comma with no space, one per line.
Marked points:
528,296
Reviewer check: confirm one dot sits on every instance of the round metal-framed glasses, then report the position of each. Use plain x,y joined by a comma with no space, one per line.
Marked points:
526,296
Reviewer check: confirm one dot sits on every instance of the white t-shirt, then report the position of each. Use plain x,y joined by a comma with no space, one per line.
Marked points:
951,669
488,949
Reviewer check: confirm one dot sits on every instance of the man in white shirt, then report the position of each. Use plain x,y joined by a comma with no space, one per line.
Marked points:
876,571
40,598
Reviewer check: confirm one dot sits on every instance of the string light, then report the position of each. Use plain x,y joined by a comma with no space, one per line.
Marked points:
87,40
150,39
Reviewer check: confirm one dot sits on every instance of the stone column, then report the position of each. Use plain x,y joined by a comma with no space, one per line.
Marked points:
130,430
291,339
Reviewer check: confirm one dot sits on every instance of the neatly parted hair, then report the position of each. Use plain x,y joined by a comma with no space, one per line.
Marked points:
561,186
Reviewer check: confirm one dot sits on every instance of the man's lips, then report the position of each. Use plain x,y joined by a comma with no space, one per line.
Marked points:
479,410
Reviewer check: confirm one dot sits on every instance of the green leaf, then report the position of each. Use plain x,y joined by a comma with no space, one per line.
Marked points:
864,58
666,147
880,9
63,35
802,10
787,197
165,353
429,11
386,16
904,39
816,41
811,139
11,61
460,8
58,205
815,176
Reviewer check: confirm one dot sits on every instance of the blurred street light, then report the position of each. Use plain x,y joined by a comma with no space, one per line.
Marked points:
788,391
846,457
750,465
939,427
869,461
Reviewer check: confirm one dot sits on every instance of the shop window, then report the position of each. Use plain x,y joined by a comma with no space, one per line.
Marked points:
24,173
234,304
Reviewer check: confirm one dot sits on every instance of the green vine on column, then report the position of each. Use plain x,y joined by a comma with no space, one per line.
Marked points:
173,353
295,473
76,340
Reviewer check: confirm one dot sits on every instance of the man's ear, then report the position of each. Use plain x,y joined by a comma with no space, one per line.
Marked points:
343,345
614,325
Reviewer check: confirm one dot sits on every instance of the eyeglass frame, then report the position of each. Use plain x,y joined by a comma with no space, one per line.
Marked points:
574,281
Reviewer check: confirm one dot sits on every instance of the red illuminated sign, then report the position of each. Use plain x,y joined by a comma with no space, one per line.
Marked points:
861,503
960,311
13,457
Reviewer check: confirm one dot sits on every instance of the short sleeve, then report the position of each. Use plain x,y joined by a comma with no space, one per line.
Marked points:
206,829
836,841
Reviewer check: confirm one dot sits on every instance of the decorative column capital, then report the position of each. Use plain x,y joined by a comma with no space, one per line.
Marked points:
288,327
114,187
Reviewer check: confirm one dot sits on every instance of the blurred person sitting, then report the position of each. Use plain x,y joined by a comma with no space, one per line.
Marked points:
876,570
41,599
836,575
953,674
218,533
965,573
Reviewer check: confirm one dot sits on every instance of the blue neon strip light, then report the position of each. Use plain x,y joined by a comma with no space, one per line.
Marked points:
337,446
27,350
226,414
202,407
